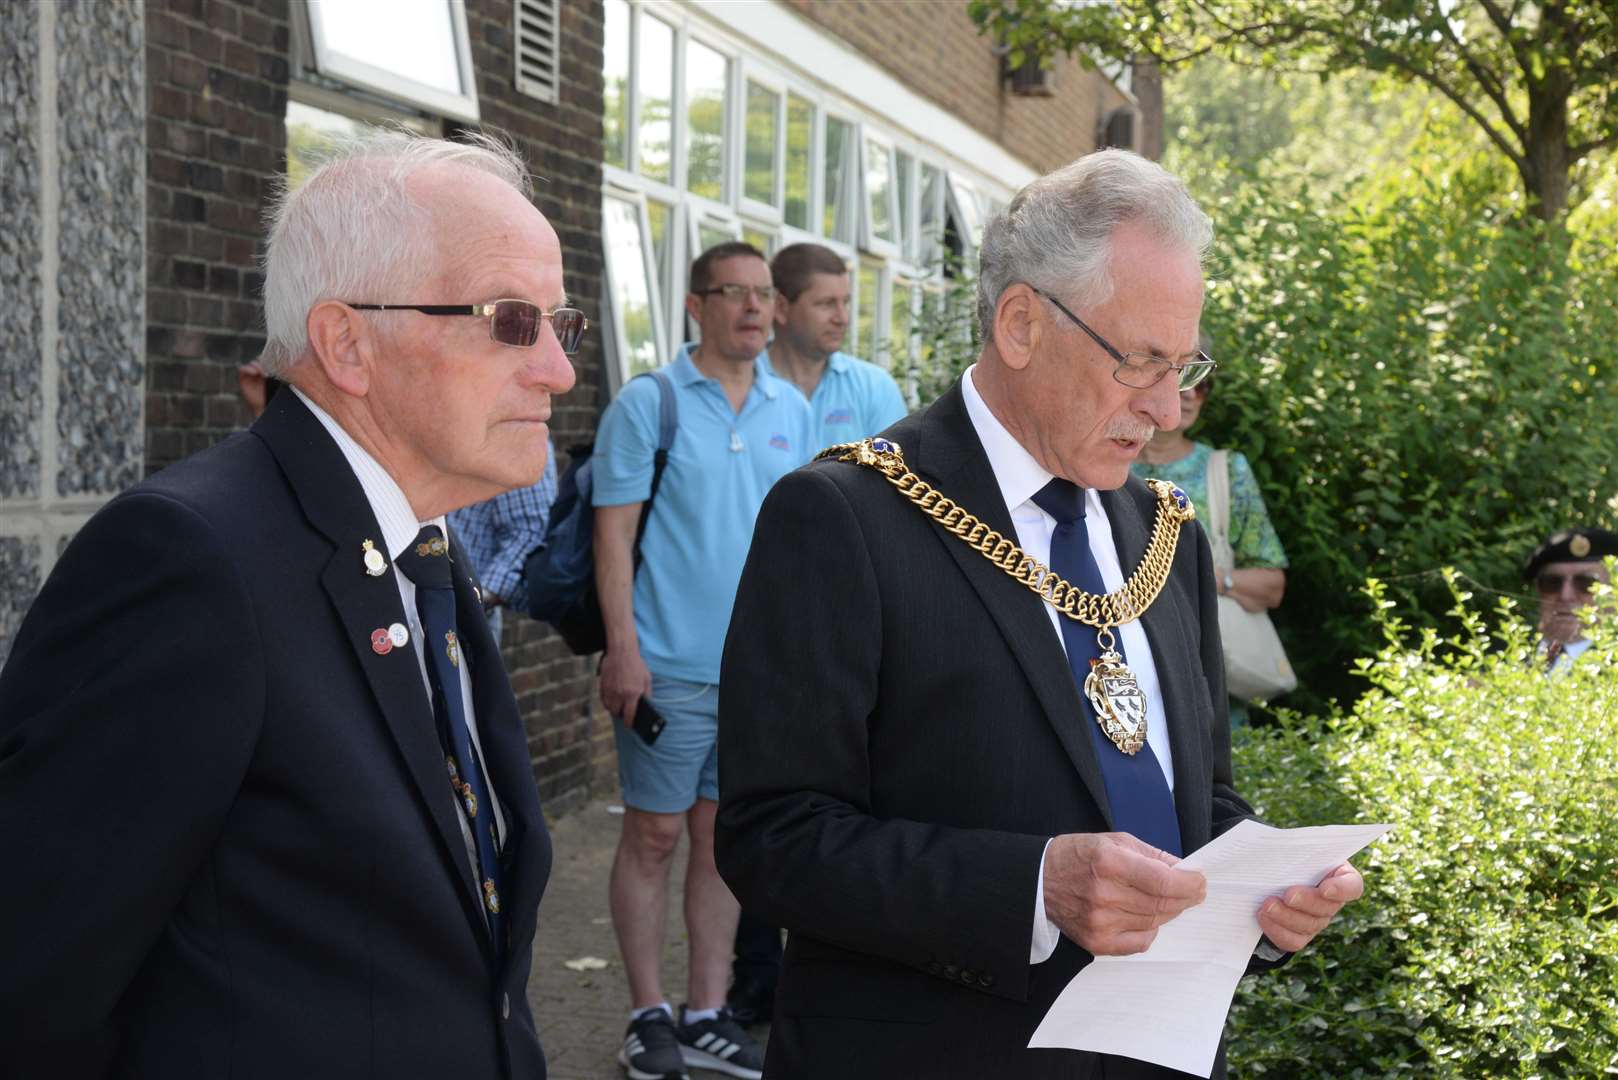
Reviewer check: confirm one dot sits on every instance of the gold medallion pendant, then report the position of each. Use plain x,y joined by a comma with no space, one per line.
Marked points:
1117,698
1112,689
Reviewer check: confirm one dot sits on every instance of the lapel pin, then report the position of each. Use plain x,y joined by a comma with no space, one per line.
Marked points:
375,564
381,643
398,636
453,648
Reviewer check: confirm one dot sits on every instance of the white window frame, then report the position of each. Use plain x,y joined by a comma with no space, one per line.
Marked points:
618,340
752,72
869,240
728,126
333,64
894,262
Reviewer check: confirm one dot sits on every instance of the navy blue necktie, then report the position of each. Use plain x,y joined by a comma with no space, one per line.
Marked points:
1142,804
426,563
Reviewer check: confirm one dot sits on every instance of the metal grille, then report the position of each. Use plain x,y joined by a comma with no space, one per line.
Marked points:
538,48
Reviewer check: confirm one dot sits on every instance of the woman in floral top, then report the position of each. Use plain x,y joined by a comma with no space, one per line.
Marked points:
1258,580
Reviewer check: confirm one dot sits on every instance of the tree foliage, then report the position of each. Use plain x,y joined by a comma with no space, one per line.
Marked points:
1540,80
1487,942
1419,379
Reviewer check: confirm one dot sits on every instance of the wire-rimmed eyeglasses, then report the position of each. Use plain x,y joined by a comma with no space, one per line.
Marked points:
511,322
1140,370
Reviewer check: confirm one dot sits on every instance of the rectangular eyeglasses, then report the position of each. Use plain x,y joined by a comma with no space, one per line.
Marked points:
511,322
1140,370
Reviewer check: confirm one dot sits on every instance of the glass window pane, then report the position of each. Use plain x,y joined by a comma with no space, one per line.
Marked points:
310,133
413,39
969,211
631,289
615,70
879,190
762,106
707,74
899,326
661,215
800,130
759,238
655,78
929,247
711,232
837,220
905,182
865,320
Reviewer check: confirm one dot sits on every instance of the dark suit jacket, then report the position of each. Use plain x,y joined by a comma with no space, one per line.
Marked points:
900,734
230,841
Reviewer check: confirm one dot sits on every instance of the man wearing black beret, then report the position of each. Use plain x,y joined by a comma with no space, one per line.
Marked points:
1564,569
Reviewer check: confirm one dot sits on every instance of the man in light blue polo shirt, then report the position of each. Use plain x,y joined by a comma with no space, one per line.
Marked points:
740,430
849,398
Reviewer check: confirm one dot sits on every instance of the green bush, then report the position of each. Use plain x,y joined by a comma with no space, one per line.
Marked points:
1421,377
1487,942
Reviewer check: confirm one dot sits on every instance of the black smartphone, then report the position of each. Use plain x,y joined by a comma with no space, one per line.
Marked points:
648,722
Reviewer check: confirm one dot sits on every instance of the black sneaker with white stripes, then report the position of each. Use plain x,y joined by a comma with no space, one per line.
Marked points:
651,1051
720,1044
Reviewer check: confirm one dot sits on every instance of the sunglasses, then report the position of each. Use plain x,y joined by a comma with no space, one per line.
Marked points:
1552,584
511,322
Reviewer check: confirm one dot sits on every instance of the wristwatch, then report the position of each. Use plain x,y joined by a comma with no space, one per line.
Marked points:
1228,582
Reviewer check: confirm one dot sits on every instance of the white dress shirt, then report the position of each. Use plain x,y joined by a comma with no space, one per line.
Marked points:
1020,478
399,528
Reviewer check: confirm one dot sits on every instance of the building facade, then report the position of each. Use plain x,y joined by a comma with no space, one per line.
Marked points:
141,141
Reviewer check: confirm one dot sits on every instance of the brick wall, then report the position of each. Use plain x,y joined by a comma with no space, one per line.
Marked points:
217,77
216,137
932,46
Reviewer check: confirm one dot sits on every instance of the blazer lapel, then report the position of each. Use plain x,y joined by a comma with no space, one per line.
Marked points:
335,504
1165,622
949,454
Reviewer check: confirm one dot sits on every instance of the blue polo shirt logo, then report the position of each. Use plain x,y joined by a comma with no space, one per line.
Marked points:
779,441
839,416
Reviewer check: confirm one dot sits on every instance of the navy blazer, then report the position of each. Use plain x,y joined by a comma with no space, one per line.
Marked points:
231,844
899,735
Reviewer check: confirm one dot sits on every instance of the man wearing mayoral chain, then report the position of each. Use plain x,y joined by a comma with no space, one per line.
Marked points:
265,797
973,706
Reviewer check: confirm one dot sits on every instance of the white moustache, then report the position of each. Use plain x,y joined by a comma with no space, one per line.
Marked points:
1131,432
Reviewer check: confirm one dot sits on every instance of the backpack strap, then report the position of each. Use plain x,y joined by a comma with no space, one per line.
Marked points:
668,424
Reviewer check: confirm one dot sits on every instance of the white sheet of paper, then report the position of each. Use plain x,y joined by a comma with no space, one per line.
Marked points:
1168,1005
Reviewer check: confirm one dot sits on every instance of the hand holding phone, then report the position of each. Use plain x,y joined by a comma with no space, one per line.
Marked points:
648,722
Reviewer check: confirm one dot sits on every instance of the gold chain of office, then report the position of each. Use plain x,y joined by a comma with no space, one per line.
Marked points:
1100,612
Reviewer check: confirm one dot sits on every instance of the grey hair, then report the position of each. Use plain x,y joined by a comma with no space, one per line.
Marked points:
1056,233
350,231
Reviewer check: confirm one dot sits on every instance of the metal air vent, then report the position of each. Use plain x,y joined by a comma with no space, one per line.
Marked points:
538,48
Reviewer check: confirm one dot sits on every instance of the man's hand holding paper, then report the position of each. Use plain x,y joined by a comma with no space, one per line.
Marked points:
1292,919
1109,892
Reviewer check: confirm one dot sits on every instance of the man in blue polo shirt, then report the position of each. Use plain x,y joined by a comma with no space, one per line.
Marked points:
849,398
740,430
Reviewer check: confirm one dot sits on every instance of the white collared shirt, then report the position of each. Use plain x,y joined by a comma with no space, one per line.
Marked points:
1020,478
399,528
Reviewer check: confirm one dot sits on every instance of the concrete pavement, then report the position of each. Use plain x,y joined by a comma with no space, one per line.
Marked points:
582,1014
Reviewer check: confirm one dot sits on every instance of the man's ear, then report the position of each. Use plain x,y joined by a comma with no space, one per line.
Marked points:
1019,322
344,346
693,307
781,306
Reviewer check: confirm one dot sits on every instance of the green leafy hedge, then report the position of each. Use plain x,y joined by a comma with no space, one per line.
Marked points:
1487,942
1421,377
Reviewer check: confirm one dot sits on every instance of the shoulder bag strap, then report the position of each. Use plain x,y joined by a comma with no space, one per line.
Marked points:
1219,507
668,423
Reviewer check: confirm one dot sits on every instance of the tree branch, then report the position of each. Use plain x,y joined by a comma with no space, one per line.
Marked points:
1503,23
1589,146
1517,157
1485,79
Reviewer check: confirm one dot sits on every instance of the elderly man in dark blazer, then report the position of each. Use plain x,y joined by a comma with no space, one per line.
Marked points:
266,808
973,697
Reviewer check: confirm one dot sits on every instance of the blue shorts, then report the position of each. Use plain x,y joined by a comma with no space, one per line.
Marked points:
682,766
